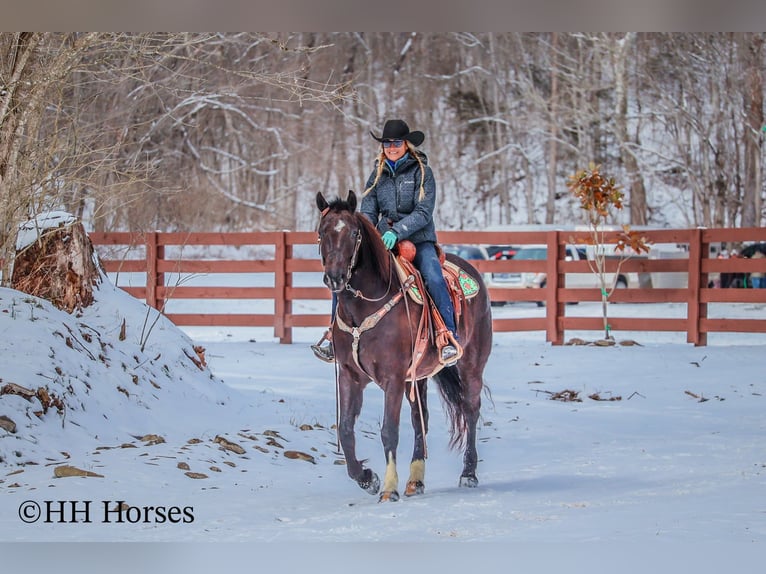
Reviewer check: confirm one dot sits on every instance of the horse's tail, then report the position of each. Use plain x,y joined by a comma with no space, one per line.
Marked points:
453,395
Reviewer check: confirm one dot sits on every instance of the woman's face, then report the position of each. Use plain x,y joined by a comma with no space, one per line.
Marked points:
394,149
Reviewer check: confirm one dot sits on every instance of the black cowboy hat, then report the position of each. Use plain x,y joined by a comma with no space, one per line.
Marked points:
399,130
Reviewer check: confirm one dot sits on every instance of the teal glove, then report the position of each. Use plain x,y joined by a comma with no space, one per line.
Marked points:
389,239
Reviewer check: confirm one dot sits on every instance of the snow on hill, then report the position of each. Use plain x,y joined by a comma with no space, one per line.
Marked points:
113,372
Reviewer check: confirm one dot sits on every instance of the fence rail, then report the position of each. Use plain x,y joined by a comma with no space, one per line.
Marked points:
147,253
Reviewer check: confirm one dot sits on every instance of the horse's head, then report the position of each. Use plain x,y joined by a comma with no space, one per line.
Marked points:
340,236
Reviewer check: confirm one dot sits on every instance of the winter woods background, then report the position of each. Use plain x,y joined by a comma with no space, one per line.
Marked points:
238,131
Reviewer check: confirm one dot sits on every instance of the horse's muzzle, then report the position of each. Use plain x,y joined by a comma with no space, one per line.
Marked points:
335,282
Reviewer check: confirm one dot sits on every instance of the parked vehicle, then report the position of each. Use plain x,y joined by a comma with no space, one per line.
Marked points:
530,280
501,251
740,280
467,252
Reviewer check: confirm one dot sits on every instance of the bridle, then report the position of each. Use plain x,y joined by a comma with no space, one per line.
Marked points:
352,266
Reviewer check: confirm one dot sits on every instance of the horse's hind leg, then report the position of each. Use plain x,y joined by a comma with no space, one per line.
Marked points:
419,415
350,394
471,408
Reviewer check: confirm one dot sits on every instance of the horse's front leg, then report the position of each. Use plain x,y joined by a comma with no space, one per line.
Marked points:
350,394
390,436
419,416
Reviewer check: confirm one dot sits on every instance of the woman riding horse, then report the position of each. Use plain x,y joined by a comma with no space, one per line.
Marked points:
399,200
377,337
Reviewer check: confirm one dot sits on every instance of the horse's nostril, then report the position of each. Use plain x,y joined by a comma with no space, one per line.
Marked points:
333,282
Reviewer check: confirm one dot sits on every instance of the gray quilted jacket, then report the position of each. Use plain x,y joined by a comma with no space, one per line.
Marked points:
394,202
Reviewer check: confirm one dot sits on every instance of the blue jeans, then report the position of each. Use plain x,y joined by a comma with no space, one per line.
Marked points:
758,282
427,262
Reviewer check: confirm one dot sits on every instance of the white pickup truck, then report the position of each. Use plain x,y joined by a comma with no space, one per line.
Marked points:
532,280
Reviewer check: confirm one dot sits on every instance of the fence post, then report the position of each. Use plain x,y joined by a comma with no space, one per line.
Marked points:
554,309
696,309
154,279
282,282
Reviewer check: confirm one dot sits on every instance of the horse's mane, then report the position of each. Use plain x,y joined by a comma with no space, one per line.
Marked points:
372,246
381,258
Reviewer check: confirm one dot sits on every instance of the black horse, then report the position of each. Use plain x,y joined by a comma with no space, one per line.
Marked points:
374,337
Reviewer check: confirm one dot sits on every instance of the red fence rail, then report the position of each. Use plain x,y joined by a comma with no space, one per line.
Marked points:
148,255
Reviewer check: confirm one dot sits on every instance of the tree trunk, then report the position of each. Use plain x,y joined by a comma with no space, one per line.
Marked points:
751,200
60,267
550,205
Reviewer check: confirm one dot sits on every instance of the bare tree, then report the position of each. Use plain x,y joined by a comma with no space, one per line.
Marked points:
138,128
233,131
32,71
751,50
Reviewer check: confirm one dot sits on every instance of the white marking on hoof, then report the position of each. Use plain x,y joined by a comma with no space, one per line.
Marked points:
389,496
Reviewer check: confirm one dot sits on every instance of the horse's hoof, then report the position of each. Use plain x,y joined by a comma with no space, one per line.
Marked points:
370,483
414,487
469,481
389,496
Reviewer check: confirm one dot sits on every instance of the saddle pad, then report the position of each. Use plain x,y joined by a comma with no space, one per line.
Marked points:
452,273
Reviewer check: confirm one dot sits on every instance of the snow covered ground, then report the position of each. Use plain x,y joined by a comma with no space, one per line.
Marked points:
672,457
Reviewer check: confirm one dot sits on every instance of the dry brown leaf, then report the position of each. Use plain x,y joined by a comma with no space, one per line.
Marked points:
151,439
67,470
297,455
228,445
597,397
195,475
566,396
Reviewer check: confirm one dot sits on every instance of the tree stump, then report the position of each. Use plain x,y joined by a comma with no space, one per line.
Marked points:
58,266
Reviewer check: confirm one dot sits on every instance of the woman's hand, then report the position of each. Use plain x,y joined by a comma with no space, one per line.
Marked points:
389,239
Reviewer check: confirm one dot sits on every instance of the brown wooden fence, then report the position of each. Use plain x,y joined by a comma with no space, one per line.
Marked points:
146,253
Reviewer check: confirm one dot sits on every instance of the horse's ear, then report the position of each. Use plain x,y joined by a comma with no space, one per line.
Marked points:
321,201
351,200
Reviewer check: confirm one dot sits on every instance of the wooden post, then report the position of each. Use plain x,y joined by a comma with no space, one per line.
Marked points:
154,253
696,309
554,310
282,282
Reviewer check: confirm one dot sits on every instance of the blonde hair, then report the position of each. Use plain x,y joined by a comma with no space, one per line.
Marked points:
382,162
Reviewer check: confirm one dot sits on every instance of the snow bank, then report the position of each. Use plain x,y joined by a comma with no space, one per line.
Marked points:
115,372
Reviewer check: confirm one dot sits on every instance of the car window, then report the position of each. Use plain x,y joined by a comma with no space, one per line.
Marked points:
470,253
532,254
465,251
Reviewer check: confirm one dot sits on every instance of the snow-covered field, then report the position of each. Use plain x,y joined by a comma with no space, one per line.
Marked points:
672,457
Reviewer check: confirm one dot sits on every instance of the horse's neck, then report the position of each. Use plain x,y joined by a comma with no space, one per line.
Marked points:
375,285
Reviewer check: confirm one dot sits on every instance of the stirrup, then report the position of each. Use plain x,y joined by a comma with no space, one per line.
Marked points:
449,355
450,351
325,353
